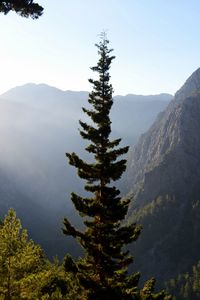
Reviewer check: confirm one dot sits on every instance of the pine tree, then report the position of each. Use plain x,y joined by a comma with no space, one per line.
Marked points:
20,258
103,272
25,8
25,273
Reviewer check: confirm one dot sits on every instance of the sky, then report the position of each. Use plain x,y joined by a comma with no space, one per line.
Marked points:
156,44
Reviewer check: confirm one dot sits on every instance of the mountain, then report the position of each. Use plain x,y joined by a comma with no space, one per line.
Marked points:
164,178
133,114
38,124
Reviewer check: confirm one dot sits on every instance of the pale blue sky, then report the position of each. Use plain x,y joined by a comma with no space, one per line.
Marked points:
156,43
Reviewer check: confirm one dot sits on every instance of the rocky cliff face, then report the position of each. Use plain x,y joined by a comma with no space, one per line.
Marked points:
167,156
164,177
192,85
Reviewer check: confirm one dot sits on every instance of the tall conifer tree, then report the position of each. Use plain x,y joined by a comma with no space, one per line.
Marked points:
103,272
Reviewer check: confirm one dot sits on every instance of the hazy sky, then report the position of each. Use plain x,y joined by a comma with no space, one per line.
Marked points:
156,43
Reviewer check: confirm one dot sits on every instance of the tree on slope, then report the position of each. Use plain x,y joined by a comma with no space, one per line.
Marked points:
25,8
25,273
103,272
20,258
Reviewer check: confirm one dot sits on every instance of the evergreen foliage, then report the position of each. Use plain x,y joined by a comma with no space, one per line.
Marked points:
179,246
19,257
56,284
103,272
25,8
186,286
25,273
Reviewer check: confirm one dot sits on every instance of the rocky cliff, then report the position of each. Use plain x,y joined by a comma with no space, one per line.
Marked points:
164,178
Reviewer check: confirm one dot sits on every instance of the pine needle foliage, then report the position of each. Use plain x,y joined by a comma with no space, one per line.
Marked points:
20,258
103,272
25,8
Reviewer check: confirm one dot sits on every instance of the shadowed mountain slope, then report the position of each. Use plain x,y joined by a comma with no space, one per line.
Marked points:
164,177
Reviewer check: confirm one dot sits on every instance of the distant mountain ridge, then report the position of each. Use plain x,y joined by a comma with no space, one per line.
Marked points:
133,97
164,177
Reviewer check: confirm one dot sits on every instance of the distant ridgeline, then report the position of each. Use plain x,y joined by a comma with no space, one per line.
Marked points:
163,178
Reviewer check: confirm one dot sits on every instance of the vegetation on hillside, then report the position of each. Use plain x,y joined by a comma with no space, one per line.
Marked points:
186,286
25,272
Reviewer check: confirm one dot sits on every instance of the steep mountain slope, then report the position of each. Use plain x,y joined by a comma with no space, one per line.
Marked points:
164,177
38,124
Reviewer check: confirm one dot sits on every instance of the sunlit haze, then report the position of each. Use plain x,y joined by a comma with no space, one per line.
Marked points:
156,44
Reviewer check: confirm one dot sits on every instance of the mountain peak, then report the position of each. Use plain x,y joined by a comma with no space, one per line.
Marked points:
191,86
